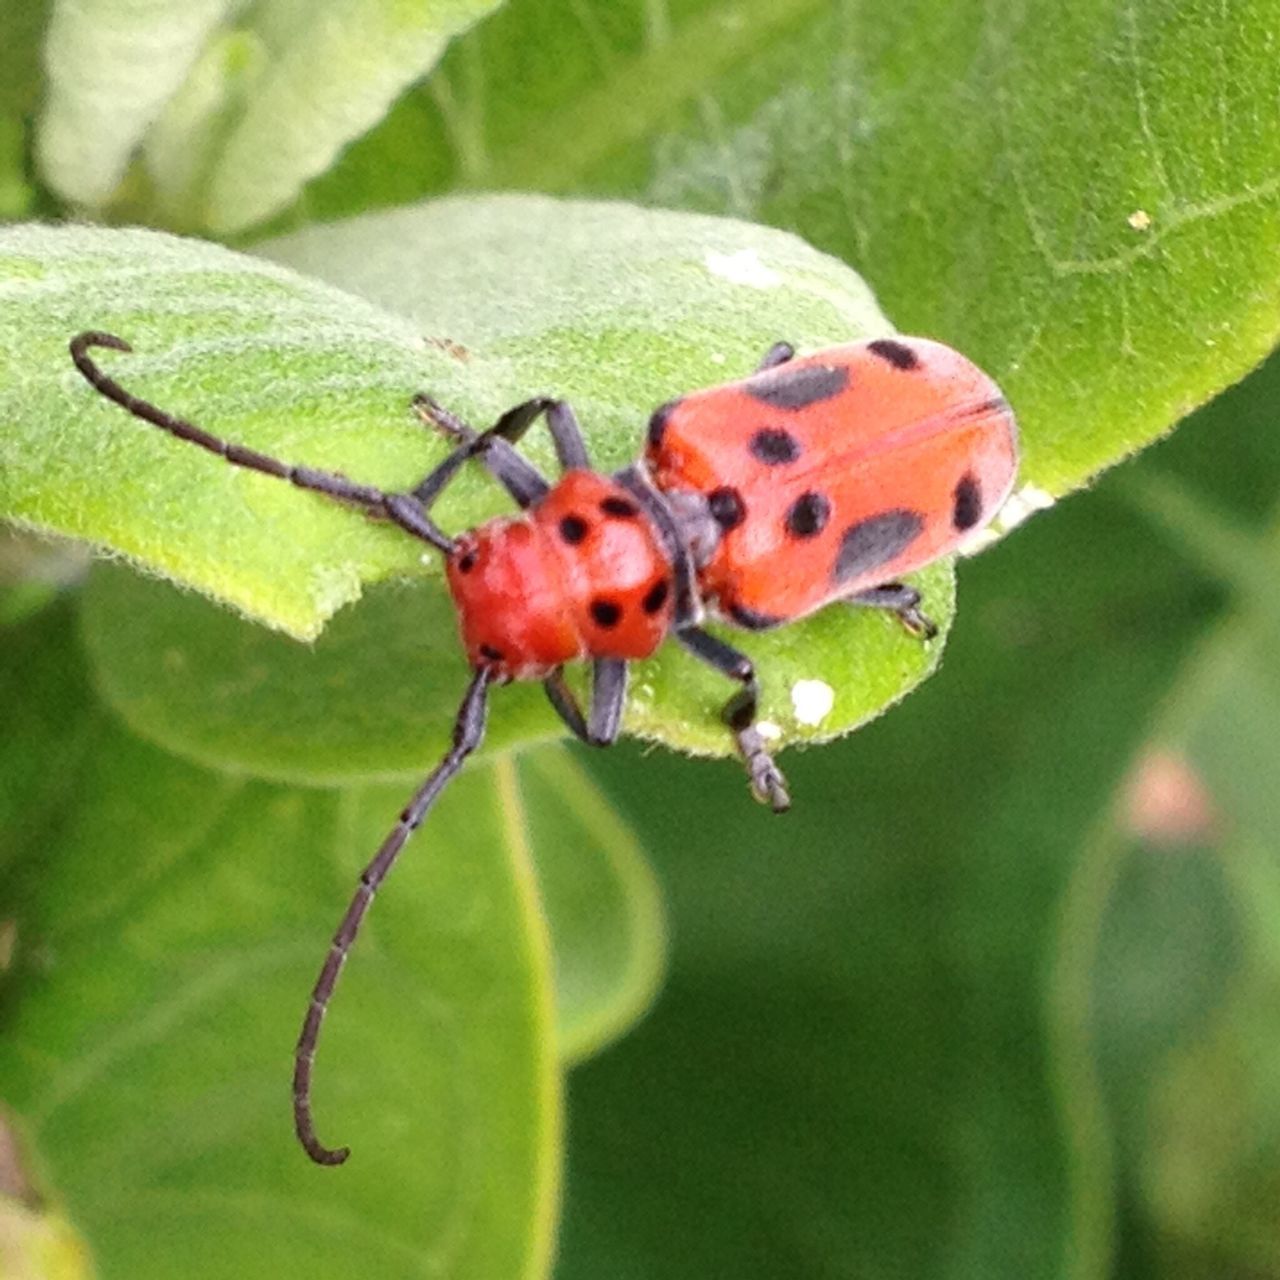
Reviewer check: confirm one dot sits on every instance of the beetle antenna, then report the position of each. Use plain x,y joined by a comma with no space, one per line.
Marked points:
468,733
403,508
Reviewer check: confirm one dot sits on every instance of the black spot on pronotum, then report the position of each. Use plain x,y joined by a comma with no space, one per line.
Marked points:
658,423
606,613
788,387
896,353
752,619
656,596
620,508
726,508
808,515
968,502
573,529
875,541
774,446
494,655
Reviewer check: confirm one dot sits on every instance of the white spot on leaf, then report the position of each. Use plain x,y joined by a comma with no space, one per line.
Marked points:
768,730
1018,506
742,267
812,701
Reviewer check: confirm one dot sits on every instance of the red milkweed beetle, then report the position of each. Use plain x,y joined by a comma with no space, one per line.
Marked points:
819,478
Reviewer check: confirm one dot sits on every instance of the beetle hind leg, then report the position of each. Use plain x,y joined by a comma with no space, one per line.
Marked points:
900,599
768,784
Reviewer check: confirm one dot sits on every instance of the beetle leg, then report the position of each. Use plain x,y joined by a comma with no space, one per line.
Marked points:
767,782
777,354
901,599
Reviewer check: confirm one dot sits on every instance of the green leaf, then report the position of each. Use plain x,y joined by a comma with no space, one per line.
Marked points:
1167,966
1211,1179
112,65
683,309
182,148
21,26
374,698
600,897
169,923
259,352
1087,202
261,107
333,70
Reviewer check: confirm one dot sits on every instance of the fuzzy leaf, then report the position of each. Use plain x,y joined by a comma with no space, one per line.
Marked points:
318,376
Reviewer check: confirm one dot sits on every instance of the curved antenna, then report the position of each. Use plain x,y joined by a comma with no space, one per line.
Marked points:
468,733
403,508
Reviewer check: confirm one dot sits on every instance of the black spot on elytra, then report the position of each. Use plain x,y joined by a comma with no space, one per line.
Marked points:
726,508
466,562
752,619
808,515
656,596
896,353
607,613
620,508
658,423
774,446
494,655
968,502
875,541
573,529
788,387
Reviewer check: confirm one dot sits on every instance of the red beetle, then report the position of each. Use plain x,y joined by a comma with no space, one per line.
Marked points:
820,478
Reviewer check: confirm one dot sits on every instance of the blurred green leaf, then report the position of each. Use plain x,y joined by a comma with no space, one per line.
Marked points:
601,900
333,70
49,723
111,67
1168,966
255,128
181,150
375,697
169,924
1085,200
1207,1155
1211,1177
21,27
